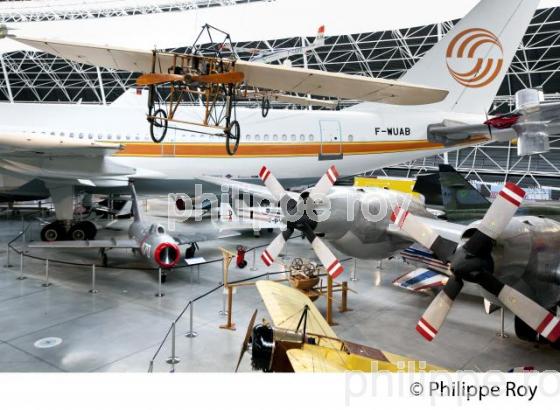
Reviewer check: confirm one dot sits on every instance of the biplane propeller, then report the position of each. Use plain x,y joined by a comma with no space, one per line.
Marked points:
473,262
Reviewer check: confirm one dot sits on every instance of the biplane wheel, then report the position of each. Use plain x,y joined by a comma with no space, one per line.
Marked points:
265,107
159,122
233,135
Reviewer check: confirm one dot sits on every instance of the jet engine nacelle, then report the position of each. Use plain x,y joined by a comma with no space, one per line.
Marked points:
157,246
533,137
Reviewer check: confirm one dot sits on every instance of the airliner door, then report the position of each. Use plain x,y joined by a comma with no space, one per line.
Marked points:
331,140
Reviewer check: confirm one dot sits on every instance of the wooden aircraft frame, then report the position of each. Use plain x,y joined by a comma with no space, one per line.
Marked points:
213,79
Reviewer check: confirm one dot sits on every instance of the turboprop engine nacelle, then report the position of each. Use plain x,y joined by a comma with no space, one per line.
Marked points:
527,252
156,245
533,137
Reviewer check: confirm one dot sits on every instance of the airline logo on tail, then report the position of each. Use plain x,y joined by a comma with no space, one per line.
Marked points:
475,57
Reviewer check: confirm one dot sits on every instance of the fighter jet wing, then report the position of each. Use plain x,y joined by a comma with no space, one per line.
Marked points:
262,76
93,244
191,237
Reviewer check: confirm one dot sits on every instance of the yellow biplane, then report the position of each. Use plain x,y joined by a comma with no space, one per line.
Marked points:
300,340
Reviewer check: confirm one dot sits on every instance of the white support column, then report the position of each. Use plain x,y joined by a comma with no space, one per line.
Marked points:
6,79
101,87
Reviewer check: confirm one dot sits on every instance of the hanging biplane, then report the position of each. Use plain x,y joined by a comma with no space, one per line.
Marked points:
301,340
216,75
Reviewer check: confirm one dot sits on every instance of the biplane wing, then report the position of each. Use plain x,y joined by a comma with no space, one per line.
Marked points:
285,306
263,76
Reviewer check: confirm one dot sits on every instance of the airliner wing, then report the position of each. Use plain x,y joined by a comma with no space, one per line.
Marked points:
263,76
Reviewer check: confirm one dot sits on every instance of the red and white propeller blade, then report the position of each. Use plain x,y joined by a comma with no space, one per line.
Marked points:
327,258
326,182
502,210
432,319
273,250
270,181
533,314
423,233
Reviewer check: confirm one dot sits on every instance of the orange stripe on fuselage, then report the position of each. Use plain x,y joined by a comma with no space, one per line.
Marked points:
210,150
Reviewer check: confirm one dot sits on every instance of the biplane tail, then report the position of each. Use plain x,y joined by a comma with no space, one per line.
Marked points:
472,60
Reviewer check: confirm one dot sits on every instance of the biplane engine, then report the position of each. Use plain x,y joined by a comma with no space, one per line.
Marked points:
533,137
269,346
156,245
262,347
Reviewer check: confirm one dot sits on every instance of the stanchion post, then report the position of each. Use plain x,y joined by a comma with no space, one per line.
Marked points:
22,230
46,284
191,333
502,333
8,264
254,267
353,276
224,311
93,290
21,275
229,325
173,360
159,293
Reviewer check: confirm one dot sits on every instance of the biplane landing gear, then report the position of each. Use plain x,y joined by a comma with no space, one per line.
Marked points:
265,107
158,125
233,136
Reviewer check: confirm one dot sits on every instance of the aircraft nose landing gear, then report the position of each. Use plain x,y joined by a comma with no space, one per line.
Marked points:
58,231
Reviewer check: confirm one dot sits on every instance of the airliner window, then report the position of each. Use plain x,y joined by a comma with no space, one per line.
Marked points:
109,137
52,133
257,137
99,136
350,138
293,137
128,137
302,137
275,137
310,137
266,137
248,137
284,137
90,136
71,135
118,137
81,136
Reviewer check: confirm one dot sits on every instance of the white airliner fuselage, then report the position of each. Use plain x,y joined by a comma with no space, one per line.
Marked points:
288,141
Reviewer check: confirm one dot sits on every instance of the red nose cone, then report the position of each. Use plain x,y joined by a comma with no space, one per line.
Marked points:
167,255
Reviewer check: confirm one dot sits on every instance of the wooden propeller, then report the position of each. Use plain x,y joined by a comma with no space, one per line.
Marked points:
233,77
